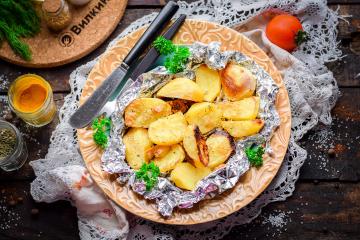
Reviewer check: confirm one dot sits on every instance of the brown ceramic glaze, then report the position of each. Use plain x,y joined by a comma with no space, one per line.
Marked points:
250,185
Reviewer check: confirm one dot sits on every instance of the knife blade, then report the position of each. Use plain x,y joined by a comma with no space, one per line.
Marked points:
90,109
144,64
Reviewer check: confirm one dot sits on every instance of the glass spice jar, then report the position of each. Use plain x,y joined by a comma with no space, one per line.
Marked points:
31,98
13,151
56,14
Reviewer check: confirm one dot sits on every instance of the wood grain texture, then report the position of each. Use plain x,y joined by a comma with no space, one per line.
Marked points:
93,25
345,70
324,211
343,136
338,220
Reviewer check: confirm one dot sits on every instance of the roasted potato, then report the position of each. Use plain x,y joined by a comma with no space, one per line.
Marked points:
157,151
195,146
246,109
237,82
143,111
168,130
182,88
209,81
186,176
206,116
239,129
220,146
169,161
136,142
179,105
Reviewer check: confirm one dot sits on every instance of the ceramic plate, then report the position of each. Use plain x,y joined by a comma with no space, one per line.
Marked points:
249,186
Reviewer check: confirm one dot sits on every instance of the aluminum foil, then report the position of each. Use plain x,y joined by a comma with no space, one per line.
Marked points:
166,194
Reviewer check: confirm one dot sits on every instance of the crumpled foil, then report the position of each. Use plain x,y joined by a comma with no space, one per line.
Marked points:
166,194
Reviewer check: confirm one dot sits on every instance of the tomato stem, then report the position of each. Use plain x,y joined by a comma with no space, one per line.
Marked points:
301,37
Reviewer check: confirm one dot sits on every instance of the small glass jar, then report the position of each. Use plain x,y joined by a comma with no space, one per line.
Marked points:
41,114
56,14
18,155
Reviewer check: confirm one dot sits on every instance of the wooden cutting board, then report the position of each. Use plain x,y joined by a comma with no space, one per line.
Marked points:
91,25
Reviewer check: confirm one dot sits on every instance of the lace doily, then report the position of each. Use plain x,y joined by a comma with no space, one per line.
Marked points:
312,90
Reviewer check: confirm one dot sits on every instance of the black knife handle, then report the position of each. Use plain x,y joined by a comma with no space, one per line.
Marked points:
153,31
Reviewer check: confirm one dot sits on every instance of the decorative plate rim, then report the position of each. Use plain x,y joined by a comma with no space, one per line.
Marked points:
113,190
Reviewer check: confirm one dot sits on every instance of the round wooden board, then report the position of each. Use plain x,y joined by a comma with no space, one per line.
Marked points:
91,25
250,185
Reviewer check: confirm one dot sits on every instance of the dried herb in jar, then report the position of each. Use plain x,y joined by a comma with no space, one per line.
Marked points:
56,14
7,142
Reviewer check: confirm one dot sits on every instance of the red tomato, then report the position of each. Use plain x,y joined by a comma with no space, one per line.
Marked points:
285,31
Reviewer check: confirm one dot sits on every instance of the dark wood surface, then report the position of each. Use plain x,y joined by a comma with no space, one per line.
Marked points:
326,201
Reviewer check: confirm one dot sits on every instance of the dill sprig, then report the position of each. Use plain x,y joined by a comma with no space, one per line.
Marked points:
177,56
101,127
18,19
149,174
254,154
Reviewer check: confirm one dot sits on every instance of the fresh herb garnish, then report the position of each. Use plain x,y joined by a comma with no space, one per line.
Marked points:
254,153
18,19
149,174
164,46
177,56
101,127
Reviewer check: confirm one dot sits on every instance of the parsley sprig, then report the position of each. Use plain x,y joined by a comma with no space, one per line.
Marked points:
164,46
101,127
177,56
149,174
254,153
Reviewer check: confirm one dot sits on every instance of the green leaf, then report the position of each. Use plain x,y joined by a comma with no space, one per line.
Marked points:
101,127
18,19
254,154
149,174
177,56
163,46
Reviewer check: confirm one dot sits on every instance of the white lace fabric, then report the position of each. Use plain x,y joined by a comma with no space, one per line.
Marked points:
312,90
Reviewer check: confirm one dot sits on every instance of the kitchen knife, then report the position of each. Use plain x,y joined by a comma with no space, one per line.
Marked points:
146,62
90,109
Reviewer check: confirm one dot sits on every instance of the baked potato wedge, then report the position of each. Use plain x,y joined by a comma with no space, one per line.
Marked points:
237,82
157,151
182,88
206,116
220,146
179,105
136,142
168,130
195,146
239,129
209,82
169,160
246,109
143,111
186,176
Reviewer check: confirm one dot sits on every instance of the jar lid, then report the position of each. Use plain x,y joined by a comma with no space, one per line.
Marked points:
52,6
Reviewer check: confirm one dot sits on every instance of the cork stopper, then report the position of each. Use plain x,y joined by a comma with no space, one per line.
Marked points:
52,6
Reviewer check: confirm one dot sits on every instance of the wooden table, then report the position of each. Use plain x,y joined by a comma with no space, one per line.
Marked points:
326,201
